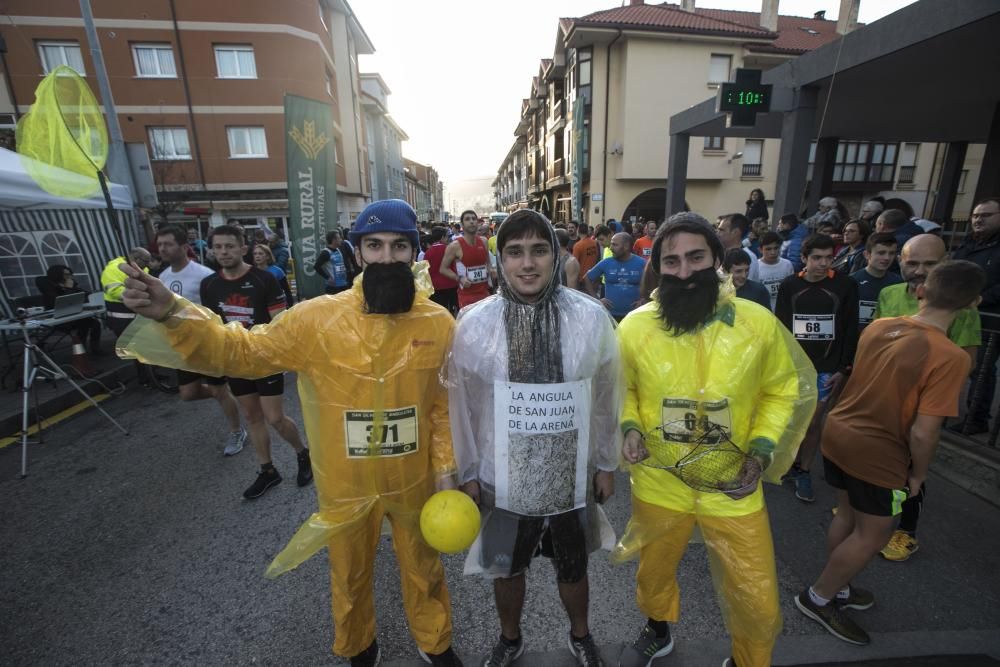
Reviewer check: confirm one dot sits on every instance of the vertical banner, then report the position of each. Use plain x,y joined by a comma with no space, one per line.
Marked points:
576,181
312,186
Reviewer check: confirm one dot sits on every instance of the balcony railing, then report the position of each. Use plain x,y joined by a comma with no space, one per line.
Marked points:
906,174
751,169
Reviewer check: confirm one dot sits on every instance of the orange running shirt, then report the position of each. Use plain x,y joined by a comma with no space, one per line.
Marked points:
643,247
903,368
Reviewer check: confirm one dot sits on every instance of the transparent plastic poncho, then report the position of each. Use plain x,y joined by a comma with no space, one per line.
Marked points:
358,374
64,131
511,372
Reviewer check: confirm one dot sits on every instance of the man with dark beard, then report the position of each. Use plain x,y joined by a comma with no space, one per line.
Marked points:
534,391
378,417
699,361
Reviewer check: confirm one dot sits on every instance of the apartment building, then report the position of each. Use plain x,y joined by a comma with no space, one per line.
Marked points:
385,140
628,69
424,190
202,85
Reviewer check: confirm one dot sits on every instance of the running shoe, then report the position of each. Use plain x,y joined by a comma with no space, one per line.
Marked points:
265,480
792,473
444,659
804,487
831,617
901,546
858,598
585,651
646,648
504,652
305,474
370,657
234,443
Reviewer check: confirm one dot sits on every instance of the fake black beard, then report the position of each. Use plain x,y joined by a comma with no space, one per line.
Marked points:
687,304
388,288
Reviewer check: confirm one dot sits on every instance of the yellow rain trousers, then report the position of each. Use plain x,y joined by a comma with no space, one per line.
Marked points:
742,370
376,416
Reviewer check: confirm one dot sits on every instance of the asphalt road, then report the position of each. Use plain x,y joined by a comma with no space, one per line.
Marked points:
141,550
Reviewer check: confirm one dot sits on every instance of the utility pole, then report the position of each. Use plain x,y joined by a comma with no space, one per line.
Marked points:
118,164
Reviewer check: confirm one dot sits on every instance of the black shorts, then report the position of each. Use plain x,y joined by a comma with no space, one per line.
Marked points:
516,539
865,496
272,385
187,377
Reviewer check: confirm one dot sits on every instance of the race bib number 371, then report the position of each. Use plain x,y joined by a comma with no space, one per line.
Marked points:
395,435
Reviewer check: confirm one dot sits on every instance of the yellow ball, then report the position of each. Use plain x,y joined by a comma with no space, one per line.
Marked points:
449,521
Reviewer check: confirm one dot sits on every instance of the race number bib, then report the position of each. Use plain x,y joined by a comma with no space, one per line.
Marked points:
866,311
813,327
684,420
396,435
541,442
476,274
647,252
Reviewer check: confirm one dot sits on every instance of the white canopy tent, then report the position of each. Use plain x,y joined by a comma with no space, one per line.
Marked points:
19,191
39,230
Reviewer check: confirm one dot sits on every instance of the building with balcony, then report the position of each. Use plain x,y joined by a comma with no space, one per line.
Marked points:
202,85
628,69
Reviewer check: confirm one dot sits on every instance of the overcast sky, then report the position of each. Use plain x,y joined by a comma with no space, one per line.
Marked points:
458,70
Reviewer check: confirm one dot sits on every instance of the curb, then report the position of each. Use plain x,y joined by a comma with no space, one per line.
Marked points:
973,467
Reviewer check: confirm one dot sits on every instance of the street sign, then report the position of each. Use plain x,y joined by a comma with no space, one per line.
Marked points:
744,98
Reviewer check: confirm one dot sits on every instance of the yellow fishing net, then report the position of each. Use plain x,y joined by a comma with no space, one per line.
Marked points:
64,132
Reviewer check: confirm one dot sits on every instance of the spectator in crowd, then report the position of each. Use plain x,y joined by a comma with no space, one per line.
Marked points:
573,228
263,259
829,211
757,205
588,250
196,244
280,250
898,223
336,263
793,233
737,265
621,273
983,248
568,273
644,245
732,229
758,228
772,269
59,281
445,289
851,257
871,210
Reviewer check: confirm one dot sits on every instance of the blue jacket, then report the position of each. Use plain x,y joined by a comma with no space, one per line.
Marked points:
281,255
792,248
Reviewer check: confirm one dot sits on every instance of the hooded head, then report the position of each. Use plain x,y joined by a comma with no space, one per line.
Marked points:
528,251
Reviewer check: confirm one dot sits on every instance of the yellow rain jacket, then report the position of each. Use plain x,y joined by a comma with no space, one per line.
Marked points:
743,370
358,374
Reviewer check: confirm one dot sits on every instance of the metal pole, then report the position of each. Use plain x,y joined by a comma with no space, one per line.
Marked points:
118,164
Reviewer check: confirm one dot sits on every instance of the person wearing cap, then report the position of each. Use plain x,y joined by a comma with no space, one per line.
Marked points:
378,417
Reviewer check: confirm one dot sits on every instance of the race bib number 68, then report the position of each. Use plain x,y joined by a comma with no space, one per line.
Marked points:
395,435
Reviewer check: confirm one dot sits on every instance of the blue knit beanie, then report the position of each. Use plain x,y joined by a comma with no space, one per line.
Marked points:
388,215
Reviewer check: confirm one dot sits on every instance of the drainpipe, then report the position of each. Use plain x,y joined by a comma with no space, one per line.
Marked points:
607,102
187,96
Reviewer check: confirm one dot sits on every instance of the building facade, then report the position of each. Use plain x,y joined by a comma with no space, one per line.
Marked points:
428,191
628,69
202,85
385,140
